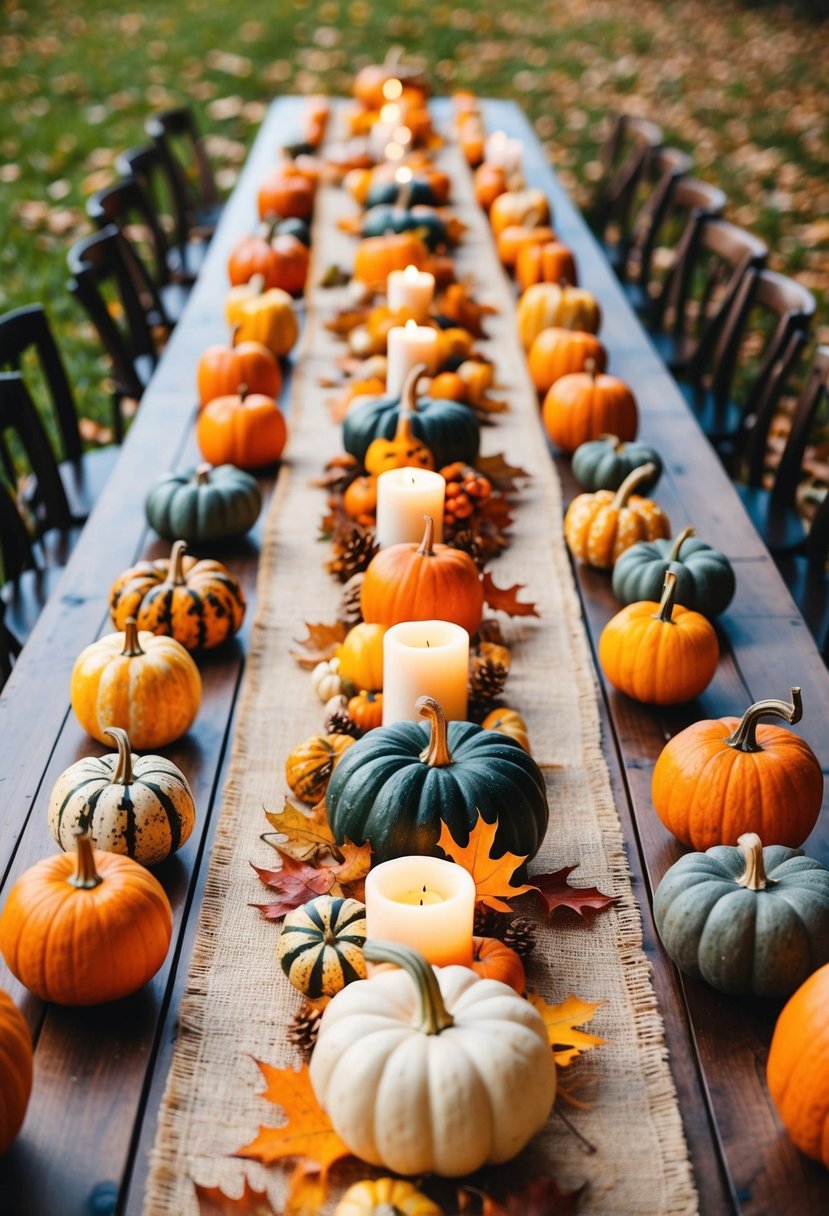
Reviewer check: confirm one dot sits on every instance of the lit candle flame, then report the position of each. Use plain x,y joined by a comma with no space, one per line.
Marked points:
411,273
394,152
390,114
403,175
411,326
392,89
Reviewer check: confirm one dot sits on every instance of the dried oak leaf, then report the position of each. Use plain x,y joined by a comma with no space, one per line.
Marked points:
308,1133
355,864
506,598
567,1042
320,645
557,892
214,1202
504,476
540,1197
303,835
294,883
492,875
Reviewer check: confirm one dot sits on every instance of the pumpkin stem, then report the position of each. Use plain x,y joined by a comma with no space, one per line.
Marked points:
408,394
432,1014
123,774
618,444
203,474
753,877
257,282
243,392
680,540
666,604
436,753
590,368
744,738
393,56
234,337
132,646
176,573
86,877
426,545
633,479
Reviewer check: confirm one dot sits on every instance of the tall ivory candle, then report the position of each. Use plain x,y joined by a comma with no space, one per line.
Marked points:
404,497
411,289
424,658
408,345
424,902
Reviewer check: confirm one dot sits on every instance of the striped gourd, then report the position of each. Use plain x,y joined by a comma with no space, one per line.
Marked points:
199,603
138,806
321,945
551,305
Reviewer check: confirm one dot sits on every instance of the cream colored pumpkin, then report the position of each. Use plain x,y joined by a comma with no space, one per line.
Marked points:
326,679
139,806
432,1071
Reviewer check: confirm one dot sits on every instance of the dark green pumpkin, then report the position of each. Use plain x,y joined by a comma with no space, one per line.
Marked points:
204,504
746,920
450,431
705,577
397,785
293,226
321,944
423,220
604,463
388,193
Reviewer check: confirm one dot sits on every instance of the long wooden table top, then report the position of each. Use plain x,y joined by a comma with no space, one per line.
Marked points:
100,1073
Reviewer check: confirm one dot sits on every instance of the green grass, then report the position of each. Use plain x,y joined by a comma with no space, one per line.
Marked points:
78,83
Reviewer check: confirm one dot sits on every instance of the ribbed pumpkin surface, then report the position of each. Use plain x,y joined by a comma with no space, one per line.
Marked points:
321,945
408,582
798,1067
15,1069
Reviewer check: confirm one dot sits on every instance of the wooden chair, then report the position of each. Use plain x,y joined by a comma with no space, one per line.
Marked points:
625,157
196,201
151,173
9,647
806,577
27,346
664,170
104,274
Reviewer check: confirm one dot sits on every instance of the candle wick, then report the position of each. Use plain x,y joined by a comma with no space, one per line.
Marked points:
428,645
424,885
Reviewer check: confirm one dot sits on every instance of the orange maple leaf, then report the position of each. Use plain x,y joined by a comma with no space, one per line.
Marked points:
321,643
301,834
214,1202
567,1042
308,1132
506,599
492,875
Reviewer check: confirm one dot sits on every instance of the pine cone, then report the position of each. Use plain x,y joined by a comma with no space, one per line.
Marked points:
486,683
487,921
469,542
342,723
350,612
303,1030
521,935
352,553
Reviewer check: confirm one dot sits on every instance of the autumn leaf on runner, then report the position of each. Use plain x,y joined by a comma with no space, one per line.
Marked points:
504,476
295,882
320,645
556,892
303,835
567,1042
541,1197
492,875
214,1202
308,1134
506,598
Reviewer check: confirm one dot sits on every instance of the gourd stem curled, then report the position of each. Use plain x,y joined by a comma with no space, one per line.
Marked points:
408,396
426,544
609,438
633,479
436,753
679,541
132,647
203,474
176,574
86,877
666,604
432,1014
123,774
744,738
590,369
753,876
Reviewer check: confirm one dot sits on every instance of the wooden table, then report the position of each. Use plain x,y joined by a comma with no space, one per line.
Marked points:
100,1073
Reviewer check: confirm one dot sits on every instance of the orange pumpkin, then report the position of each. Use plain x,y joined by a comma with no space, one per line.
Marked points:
559,352
267,317
360,498
366,709
448,386
552,262
221,369
720,778
245,429
84,928
525,207
285,192
798,1067
15,1069
254,255
403,452
659,654
599,527
291,265
425,582
378,256
490,182
547,304
512,239
585,405
508,722
361,656
309,767
493,960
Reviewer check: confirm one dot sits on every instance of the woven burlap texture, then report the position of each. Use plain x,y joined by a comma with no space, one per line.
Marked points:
237,1003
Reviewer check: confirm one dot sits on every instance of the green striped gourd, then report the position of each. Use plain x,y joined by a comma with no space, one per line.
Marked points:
321,944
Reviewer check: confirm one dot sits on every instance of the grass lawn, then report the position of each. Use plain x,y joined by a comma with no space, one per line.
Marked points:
740,88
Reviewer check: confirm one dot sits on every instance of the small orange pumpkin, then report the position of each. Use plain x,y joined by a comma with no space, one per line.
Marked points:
253,256
524,207
291,262
448,386
549,304
585,405
245,429
660,654
599,527
798,1067
361,656
221,369
490,182
515,237
285,192
378,256
559,352
552,262
309,767
366,709
265,316
360,498
493,960
15,1069
508,722
403,452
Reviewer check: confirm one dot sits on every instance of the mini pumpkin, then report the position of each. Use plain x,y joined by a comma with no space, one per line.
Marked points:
508,722
360,498
705,577
245,429
15,1069
518,207
512,239
204,504
722,777
221,369
658,653
489,182
549,304
585,405
558,352
798,1067
285,192
320,947
197,602
265,316
378,256
599,527
605,462
494,960
551,262
746,919
361,656
366,709
326,679
309,767
384,1196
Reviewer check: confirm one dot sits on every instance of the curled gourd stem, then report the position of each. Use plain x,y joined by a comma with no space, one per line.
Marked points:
618,444
408,393
86,877
753,877
176,572
436,753
744,738
633,479
203,474
666,604
590,369
432,1014
132,646
426,545
679,541
123,774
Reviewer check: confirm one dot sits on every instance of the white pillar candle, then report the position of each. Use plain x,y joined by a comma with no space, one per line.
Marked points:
425,659
504,153
408,345
412,289
423,902
404,496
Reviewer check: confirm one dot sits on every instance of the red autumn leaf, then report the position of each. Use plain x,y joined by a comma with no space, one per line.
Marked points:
557,892
540,1197
320,645
308,1133
506,598
214,1202
295,883
492,875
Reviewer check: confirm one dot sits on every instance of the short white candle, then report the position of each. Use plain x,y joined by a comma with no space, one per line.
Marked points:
504,153
425,659
411,289
404,496
408,345
423,902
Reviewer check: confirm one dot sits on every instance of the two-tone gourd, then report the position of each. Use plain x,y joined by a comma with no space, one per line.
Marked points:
309,766
320,946
599,527
705,579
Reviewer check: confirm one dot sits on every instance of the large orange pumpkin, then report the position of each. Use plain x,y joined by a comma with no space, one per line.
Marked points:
378,256
86,927
547,304
15,1069
493,960
221,369
798,1067
599,527
559,352
285,192
551,262
585,405
722,777
424,582
245,429
660,654
254,256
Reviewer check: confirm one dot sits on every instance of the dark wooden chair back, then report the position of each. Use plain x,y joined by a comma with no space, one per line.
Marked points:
685,199
814,396
182,150
26,331
20,419
16,549
154,179
624,156
129,207
9,647
665,170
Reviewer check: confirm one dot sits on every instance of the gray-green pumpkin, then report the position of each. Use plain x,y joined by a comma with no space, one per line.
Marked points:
604,463
705,577
746,919
204,504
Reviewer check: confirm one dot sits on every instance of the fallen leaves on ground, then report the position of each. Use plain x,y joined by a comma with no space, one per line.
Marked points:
296,882
491,875
541,1197
320,645
567,1042
505,599
556,892
307,1134
214,1202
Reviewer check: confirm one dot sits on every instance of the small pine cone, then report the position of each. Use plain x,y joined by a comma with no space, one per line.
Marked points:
521,936
486,682
487,921
468,542
303,1030
342,723
353,553
350,612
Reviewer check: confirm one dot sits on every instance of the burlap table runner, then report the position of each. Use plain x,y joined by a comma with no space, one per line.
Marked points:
237,1003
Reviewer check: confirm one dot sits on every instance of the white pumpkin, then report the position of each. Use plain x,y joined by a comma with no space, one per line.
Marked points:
326,679
426,1070
139,806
